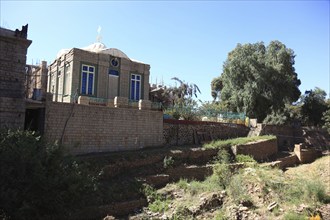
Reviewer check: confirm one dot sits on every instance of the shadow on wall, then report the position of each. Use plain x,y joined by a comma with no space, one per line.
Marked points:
288,136
182,132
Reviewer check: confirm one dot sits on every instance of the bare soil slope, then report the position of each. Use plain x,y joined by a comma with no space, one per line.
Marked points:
253,192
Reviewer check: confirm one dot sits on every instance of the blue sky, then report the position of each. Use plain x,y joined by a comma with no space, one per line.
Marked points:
186,39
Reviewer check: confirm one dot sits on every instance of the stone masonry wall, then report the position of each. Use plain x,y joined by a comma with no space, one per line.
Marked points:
288,136
86,129
13,49
179,132
259,150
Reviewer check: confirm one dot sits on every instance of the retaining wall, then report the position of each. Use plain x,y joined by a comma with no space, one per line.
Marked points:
259,150
180,132
85,129
288,136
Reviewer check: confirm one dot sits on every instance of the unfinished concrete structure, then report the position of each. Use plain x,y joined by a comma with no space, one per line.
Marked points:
36,81
13,49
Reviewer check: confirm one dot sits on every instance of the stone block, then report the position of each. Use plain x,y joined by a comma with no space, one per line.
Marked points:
259,150
83,100
144,104
120,102
305,155
111,103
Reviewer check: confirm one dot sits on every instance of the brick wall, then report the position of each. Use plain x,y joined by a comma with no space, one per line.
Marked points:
100,129
13,49
179,132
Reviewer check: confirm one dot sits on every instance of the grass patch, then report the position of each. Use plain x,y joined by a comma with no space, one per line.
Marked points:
183,184
308,191
294,216
220,215
157,202
240,158
222,174
236,141
159,205
237,189
249,186
212,183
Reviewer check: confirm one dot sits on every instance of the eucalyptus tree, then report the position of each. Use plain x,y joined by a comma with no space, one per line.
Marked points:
184,93
314,106
258,80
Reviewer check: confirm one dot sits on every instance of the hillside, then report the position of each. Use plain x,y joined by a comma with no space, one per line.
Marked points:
252,192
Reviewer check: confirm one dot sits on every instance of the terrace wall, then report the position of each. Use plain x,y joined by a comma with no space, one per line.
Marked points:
86,129
180,132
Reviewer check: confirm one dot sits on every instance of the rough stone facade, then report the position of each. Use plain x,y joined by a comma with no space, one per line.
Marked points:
179,132
13,49
85,129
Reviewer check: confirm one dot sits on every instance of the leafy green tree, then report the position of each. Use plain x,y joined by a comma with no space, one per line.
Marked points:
37,181
258,80
216,87
175,95
178,101
326,117
183,94
291,114
314,105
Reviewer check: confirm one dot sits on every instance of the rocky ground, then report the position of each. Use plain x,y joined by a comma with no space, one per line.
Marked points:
260,196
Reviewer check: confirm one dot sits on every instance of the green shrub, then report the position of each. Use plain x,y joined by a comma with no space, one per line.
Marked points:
168,162
224,156
223,174
175,113
149,192
157,202
237,190
240,158
182,213
315,191
210,184
159,205
37,180
183,184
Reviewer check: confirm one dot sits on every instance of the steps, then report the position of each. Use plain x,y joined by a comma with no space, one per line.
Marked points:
255,131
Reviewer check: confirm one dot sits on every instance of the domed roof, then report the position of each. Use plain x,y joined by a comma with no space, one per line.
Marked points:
100,48
95,47
61,52
115,52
